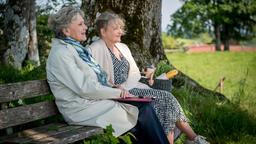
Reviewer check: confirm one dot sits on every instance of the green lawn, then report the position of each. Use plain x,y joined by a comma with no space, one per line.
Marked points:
220,122
239,69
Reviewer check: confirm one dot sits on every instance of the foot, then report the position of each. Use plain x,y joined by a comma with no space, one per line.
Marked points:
198,140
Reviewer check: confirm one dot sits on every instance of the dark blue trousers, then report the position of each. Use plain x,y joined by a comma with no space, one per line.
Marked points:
148,129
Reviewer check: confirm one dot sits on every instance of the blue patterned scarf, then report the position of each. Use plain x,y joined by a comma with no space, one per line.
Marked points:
87,57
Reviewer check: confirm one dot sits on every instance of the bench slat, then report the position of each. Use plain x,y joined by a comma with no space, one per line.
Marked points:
26,135
19,90
28,113
71,136
53,133
39,133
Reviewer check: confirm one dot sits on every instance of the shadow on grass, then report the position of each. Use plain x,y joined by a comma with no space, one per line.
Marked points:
220,121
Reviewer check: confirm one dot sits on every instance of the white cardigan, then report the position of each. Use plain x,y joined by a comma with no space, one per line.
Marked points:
102,55
80,98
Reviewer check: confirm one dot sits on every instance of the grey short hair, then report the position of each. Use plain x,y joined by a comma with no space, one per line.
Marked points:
105,18
57,22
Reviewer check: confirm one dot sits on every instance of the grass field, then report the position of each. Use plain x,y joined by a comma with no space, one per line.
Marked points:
239,70
220,122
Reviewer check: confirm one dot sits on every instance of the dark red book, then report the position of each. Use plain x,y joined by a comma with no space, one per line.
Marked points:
134,99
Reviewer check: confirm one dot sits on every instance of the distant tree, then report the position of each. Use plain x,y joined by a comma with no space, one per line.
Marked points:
20,33
226,19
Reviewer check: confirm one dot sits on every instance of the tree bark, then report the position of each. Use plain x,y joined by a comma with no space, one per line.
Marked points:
143,24
20,32
33,54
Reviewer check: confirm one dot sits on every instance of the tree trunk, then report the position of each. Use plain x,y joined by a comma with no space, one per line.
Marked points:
143,23
20,32
33,54
226,45
225,36
217,37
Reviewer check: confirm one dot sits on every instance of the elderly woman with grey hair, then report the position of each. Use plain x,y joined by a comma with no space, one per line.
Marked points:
116,59
82,93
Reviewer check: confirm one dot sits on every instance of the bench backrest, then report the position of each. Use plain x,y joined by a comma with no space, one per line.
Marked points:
25,113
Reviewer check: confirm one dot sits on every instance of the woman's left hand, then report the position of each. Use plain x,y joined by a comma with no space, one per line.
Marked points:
151,81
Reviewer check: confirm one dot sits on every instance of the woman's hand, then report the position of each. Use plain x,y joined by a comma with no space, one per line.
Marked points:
124,94
149,74
151,81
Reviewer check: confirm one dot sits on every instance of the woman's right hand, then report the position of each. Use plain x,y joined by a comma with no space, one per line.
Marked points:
124,93
148,72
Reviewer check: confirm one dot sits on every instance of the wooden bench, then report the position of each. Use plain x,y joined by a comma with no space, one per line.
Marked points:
36,107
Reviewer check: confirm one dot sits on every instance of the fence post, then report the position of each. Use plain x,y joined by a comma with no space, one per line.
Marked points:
220,85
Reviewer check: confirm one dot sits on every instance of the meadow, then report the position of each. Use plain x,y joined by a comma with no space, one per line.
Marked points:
239,70
220,122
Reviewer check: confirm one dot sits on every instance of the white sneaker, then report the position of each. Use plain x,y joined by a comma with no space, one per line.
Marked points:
198,140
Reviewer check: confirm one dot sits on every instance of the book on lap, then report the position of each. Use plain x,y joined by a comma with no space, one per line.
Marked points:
134,99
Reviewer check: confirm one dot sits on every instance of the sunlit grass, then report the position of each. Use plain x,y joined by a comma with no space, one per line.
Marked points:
9,74
239,69
220,122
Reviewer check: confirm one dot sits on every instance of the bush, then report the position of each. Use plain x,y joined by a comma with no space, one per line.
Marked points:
162,67
108,138
8,74
168,42
44,35
205,38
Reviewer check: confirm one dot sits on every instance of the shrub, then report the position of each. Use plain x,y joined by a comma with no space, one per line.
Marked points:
168,42
205,38
162,67
8,74
108,138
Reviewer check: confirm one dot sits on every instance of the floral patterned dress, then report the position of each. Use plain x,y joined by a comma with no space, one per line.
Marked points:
166,106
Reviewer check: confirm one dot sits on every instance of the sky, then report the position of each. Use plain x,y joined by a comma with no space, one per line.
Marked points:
168,7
